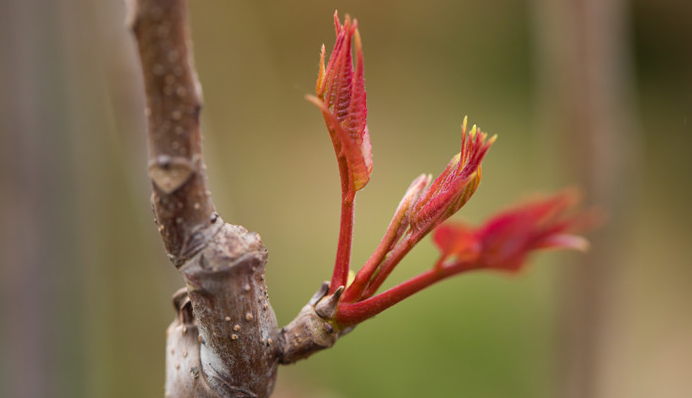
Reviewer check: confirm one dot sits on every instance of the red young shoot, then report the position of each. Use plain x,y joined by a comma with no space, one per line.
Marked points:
341,96
395,231
454,187
502,243
447,194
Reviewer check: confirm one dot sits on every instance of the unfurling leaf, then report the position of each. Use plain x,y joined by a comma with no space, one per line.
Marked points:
341,96
505,240
455,185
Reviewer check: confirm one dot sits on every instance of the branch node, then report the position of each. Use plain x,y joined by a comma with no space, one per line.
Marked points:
326,308
312,329
170,173
319,294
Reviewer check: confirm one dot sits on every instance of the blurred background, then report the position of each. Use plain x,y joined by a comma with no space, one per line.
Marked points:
589,93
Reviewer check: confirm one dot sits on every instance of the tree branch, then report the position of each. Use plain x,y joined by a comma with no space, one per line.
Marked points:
224,342
182,203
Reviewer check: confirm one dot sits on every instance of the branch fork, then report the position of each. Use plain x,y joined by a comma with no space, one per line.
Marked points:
313,329
224,341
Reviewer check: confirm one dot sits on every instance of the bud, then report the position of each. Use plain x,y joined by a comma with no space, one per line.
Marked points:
455,185
341,95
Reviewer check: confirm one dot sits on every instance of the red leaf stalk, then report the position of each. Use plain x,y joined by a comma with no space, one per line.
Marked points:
341,96
501,243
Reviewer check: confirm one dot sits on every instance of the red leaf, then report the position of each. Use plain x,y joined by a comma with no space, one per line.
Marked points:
341,97
457,242
505,240
455,185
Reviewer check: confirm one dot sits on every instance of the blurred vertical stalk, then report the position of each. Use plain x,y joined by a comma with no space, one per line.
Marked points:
584,87
39,291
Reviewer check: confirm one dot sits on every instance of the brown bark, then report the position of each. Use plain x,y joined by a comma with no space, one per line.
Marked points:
310,331
225,345
182,204
224,341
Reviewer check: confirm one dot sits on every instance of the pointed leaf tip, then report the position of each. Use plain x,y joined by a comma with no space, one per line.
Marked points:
356,39
455,185
565,241
341,91
319,87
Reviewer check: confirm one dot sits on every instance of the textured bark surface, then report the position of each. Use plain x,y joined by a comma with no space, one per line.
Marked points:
183,366
311,331
239,344
224,341
182,203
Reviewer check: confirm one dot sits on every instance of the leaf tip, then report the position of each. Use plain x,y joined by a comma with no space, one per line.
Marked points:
491,140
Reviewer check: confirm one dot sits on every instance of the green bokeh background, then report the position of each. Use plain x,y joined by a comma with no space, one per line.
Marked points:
85,281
